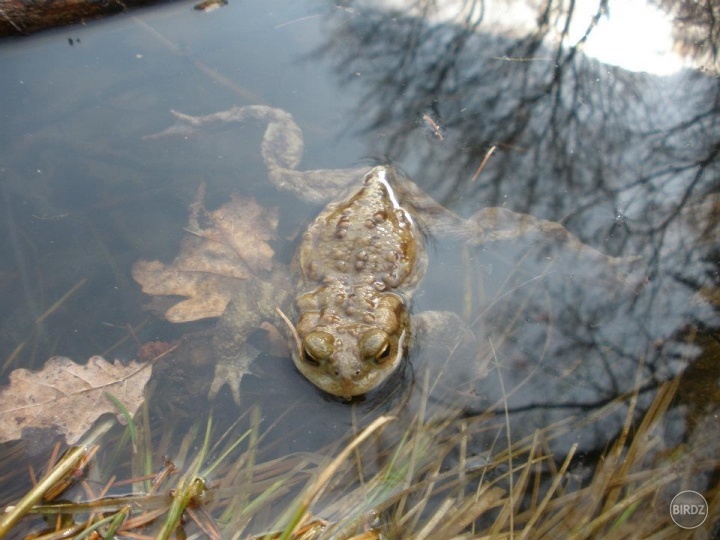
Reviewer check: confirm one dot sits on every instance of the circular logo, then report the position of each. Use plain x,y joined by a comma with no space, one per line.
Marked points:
688,509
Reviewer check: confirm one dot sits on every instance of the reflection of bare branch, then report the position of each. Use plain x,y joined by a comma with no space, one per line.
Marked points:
574,135
622,159
696,28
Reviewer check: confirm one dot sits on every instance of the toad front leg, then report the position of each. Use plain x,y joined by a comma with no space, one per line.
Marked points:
233,353
253,303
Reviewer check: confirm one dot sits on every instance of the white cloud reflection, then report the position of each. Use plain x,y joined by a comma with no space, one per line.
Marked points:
633,34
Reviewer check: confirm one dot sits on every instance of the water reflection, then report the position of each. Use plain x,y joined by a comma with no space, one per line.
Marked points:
695,29
626,161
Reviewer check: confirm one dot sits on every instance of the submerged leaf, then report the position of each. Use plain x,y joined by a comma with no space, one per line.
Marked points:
232,246
67,397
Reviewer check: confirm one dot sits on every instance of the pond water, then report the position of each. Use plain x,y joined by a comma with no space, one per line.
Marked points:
479,109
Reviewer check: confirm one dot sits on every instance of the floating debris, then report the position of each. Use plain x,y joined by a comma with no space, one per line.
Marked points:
435,126
209,5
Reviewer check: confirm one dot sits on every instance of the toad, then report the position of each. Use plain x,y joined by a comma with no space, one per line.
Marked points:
355,270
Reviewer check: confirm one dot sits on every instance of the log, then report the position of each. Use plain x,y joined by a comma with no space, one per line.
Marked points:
22,17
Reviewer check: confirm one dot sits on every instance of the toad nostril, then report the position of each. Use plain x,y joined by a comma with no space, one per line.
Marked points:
337,373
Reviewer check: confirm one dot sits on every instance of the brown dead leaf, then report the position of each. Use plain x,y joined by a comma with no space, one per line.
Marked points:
67,397
232,246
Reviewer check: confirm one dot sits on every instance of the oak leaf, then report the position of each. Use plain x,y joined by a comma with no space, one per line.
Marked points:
231,246
67,397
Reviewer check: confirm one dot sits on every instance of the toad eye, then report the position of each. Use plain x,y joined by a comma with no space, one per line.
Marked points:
317,347
308,359
375,345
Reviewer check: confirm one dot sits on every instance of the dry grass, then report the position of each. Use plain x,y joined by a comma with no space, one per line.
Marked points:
424,485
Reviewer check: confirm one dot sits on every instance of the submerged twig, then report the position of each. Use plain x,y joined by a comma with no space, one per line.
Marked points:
489,153
61,301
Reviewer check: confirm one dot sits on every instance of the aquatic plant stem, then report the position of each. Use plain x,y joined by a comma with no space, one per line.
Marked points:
64,467
186,494
316,488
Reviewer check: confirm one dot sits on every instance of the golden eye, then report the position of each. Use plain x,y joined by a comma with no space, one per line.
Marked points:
309,359
384,354
375,345
317,347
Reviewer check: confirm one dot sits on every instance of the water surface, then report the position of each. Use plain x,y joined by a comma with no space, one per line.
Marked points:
626,160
